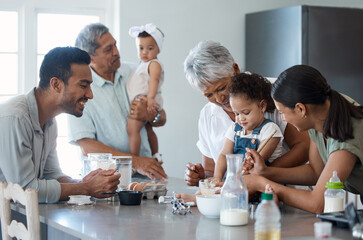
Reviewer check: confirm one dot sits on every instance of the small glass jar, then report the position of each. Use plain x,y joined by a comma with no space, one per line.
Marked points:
234,194
98,160
124,167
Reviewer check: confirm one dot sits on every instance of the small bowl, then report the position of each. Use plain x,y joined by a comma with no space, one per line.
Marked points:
130,197
209,205
79,200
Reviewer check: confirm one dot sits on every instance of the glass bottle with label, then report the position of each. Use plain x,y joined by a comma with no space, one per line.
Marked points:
234,194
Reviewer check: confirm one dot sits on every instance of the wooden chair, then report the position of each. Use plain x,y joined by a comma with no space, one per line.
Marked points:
29,199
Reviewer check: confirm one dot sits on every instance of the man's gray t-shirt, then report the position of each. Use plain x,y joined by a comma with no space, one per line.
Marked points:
28,154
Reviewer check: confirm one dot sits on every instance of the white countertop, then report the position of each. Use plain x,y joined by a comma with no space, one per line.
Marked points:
150,220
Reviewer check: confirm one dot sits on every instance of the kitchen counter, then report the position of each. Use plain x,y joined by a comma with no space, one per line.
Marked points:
151,220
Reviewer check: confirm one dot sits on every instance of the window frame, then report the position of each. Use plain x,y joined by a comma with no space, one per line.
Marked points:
27,28
28,10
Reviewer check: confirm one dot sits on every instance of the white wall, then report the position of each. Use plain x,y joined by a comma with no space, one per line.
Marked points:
184,24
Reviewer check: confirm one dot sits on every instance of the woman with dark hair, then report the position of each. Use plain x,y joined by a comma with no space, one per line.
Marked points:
335,126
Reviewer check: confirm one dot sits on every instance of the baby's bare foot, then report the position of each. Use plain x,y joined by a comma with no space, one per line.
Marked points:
187,197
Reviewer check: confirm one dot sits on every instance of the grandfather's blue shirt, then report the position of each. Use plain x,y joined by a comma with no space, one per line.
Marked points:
105,116
28,154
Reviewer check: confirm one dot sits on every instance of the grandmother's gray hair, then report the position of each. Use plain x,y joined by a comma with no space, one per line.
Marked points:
206,63
86,39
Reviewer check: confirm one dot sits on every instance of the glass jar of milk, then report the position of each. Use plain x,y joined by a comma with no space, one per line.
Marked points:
98,160
234,194
334,195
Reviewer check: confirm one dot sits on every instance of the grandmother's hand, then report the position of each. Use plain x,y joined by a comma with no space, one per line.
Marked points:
193,174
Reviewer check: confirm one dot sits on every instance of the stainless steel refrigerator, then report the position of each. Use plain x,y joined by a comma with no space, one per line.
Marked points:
329,39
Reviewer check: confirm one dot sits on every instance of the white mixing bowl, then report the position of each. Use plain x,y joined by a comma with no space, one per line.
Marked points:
209,205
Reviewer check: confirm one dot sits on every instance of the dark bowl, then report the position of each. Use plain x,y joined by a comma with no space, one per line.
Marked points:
130,197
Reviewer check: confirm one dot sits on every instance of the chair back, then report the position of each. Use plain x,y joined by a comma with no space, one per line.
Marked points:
29,199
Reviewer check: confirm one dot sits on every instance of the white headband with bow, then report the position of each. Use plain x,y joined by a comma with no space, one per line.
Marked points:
150,29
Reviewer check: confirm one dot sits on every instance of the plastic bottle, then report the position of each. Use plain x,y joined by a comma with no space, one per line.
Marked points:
334,195
267,225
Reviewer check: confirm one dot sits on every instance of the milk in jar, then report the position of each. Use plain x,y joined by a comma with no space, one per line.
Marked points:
234,194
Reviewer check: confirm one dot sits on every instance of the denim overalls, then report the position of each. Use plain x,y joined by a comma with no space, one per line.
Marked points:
240,143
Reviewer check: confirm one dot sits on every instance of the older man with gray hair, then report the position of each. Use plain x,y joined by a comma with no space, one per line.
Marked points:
102,128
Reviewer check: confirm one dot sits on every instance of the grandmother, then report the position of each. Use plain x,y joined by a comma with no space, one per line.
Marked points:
209,67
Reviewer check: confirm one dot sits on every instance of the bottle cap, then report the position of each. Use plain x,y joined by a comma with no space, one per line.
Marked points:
266,196
334,182
332,185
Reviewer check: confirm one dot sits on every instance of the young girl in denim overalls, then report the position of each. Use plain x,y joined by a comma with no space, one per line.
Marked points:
250,98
